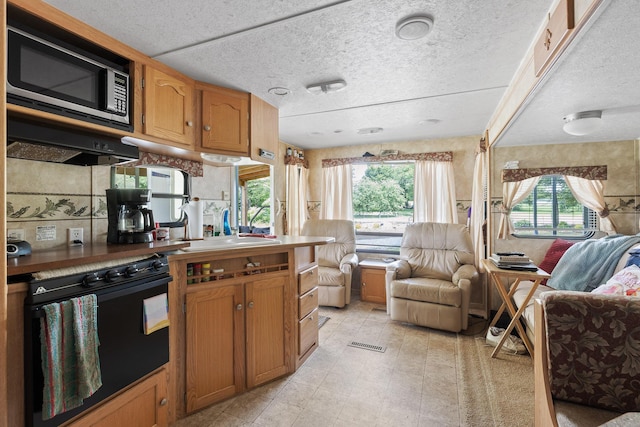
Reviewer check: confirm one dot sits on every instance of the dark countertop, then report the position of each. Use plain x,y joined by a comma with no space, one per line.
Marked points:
86,254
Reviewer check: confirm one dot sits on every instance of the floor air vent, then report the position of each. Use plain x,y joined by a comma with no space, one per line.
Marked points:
378,348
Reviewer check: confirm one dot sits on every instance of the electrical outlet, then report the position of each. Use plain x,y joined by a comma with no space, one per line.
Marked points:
74,236
15,234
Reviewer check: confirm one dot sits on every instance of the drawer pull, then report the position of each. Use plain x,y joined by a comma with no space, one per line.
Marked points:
239,307
163,402
250,305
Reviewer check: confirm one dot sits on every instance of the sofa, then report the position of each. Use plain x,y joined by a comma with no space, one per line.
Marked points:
559,248
587,360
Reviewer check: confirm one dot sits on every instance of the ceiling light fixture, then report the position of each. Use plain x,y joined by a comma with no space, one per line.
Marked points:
325,87
280,91
414,27
582,123
369,131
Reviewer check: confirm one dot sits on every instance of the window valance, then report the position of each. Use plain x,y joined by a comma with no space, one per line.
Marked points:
191,167
293,161
586,172
443,156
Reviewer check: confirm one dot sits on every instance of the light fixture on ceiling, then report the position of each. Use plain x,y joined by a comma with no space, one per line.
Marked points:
280,91
369,131
326,87
414,27
583,123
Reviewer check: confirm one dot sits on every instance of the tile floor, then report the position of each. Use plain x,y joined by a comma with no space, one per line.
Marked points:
413,383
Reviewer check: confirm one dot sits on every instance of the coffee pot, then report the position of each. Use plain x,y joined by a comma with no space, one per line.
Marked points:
130,221
135,220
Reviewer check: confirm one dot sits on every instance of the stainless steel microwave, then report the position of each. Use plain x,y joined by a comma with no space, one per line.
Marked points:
47,76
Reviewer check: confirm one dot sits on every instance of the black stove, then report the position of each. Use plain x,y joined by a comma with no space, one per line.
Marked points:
74,285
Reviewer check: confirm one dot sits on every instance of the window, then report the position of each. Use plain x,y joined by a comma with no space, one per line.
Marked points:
551,210
169,190
382,204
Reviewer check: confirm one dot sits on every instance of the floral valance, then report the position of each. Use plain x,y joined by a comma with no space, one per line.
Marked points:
586,172
292,160
443,156
191,167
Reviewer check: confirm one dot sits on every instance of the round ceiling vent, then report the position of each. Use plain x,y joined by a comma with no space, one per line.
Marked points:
414,27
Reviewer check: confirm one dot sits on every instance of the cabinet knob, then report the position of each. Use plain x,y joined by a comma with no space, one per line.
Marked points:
310,318
163,402
189,123
311,295
207,128
364,284
250,304
239,307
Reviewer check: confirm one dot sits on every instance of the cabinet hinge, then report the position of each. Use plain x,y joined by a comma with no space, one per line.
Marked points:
184,308
142,82
143,119
185,398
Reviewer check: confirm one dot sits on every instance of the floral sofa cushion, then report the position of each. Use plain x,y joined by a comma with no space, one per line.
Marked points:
594,349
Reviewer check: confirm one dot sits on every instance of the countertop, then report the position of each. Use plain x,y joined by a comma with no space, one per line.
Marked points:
90,253
86,254
283,242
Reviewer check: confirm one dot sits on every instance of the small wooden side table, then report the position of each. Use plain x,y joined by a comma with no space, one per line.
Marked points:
498,273
372,281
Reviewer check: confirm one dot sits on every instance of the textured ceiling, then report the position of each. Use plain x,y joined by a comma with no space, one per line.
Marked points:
600,72
445,85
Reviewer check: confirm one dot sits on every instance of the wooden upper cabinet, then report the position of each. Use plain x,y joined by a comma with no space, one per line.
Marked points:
169,108
264,133
560,22
225,121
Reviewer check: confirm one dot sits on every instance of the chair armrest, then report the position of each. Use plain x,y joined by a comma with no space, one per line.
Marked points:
597,336
399,269
348,263
466,271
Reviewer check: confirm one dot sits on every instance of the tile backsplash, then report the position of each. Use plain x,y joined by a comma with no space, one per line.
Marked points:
59,196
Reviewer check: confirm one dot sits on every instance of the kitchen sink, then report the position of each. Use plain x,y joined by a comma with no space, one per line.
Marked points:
216,243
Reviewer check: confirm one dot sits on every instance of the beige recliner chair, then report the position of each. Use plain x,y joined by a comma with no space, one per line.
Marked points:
336,261
431,285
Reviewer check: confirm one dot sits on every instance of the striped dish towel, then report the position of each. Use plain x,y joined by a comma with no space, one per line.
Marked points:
70,361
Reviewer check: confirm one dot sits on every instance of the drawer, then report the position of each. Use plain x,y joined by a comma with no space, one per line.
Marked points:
308,332
307,302
307,279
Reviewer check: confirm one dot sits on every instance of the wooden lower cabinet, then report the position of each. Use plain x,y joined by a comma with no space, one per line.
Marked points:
143,405
237,338
372,281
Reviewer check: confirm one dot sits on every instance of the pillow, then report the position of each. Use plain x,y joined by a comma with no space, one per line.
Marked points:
634,258
553,255
624,282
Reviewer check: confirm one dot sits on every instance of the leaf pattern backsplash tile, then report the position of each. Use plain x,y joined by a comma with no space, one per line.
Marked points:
48,207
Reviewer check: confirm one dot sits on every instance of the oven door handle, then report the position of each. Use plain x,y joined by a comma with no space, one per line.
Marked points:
110,293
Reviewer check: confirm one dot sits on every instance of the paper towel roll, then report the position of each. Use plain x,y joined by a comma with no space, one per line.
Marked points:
194,210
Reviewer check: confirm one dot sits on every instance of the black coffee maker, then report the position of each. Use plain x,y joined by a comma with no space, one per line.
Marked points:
129,219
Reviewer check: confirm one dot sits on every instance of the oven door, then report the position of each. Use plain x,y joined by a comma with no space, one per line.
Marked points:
126,353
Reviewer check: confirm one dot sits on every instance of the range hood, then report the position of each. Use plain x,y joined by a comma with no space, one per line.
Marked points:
33,140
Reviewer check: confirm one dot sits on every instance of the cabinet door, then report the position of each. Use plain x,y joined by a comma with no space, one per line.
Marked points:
225,121
168,107
143,405
268,325
373,285
215,350
264,130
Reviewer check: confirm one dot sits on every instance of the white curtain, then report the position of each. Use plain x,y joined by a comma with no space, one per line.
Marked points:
434,192
590,192
297,185
512,194
337,193
478,197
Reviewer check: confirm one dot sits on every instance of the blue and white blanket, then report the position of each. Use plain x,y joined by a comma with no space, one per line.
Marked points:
588,264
